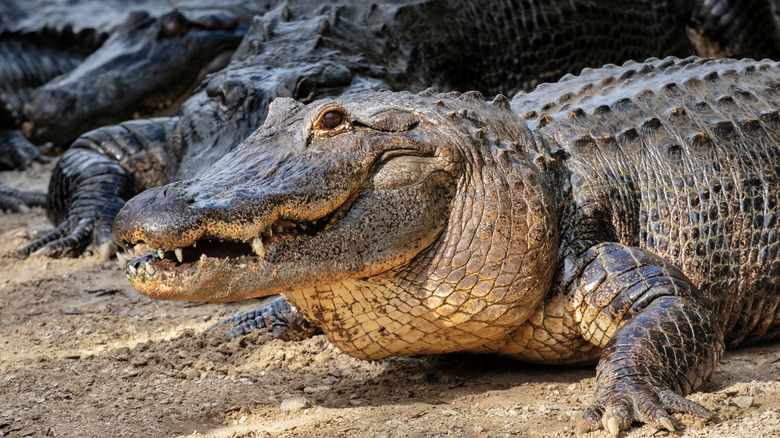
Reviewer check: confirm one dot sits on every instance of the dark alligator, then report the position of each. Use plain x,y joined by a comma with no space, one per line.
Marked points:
118,61
146,68
627,215
39,41
411,44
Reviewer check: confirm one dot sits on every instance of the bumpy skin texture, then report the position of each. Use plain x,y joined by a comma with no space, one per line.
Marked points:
393,44
329,50
147,67
629,219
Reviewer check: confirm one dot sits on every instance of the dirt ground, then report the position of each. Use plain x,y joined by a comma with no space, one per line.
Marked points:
82,354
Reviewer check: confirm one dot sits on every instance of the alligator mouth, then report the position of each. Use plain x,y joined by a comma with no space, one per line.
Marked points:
158,265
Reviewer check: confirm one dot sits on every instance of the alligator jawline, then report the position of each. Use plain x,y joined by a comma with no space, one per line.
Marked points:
165,264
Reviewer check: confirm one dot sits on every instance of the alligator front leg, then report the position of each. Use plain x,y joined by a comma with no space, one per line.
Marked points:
279,316
659,342
93,179
16,152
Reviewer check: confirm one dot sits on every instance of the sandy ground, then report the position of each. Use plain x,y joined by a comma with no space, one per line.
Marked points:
82,354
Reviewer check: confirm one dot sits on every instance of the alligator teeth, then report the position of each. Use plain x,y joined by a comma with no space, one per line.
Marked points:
269,232
279,229
122,260
161,253
179,254
257,247
150,270
133,270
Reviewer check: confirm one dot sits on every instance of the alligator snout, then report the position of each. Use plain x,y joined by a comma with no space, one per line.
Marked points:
47,112
165,214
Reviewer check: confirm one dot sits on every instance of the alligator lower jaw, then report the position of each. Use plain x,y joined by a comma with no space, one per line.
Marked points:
210,279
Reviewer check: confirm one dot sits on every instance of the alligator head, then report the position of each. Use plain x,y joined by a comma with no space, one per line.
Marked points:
374,206
146,68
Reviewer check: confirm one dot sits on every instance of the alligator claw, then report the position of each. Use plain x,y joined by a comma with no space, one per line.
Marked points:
644,403
18,201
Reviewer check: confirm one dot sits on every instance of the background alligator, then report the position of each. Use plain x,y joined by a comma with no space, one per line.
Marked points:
410,44
39,41
122,61
513,46
627,215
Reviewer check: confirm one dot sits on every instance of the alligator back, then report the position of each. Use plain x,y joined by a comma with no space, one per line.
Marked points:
679,157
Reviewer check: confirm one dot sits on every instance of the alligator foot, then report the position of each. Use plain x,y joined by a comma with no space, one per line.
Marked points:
89,189
19,201
640,378
284,320
16,152
68,239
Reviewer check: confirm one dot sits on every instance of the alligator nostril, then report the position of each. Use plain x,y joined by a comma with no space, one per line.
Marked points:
304,89
233,94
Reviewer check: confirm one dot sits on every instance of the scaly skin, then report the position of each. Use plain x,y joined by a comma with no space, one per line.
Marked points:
147,67
226,108
401,48
601,227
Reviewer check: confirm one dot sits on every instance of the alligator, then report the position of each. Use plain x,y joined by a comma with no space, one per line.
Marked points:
33,51
627,216
409,44
116,61
146,68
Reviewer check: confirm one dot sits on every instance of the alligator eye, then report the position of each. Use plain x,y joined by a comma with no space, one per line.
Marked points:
173,25
332,119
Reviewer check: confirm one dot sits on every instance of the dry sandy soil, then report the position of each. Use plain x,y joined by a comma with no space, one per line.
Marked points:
82,354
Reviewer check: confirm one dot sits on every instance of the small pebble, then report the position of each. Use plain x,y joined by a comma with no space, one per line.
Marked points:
743,401
295,404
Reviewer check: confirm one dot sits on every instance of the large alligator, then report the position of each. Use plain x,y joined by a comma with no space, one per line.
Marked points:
149,64
627,215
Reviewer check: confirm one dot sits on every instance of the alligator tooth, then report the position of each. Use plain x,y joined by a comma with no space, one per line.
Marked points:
194,244
269,232
150,270
161,253
303,227
179,254
257,247
132,270
122,260
279,229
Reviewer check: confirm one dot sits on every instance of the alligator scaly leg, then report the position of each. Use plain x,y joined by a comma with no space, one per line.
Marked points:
284,320
659,343
16,152
18,200
93,179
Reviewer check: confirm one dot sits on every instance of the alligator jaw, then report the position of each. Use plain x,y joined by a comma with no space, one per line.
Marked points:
208,264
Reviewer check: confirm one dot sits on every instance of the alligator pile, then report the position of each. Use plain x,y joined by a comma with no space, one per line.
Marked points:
497,47
626,215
